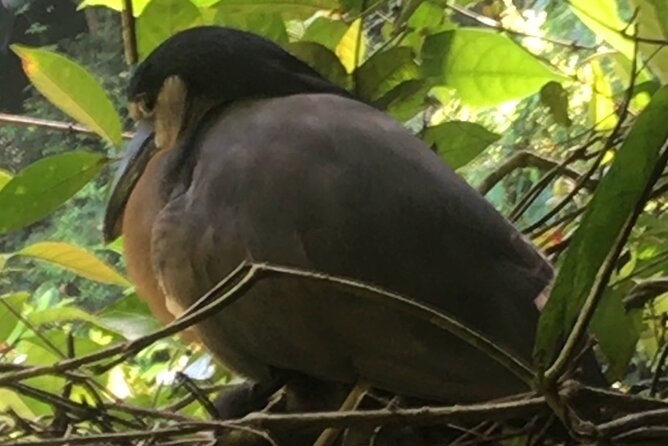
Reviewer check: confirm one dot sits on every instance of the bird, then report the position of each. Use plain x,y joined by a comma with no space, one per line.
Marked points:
245,153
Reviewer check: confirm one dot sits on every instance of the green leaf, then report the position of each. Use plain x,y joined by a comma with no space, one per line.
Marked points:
10,305
4,178
660,13
652,22
117,5
602,108
60,315
71,88
325,31
485,67
265,24
298,9
426,19
75,259
14,401
323,60
130,317
602,17
458,142
162,19
384,71
606,215
616,331
406,100
44,185
555,98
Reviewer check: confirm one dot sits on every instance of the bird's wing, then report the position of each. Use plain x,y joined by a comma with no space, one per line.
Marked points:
327,183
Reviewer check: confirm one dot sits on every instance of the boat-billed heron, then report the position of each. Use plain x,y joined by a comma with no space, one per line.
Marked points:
245,152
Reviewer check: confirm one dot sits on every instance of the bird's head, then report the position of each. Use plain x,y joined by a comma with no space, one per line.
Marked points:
185,77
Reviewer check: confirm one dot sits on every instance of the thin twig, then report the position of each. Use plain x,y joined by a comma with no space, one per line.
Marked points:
67,127
523,159
129,33
659,370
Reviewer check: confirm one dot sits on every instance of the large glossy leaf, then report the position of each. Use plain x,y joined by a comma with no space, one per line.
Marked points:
117,5
75,259
322,60
458,142
10,305
485,67
73,89
384,71
352,46
160,20
606,215
44,185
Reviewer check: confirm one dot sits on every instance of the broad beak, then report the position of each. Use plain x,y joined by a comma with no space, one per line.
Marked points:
139,151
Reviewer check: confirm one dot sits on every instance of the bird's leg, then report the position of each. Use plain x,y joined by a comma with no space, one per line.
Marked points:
239,400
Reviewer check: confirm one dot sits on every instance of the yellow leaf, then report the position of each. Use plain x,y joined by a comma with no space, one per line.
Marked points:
352,46
603,110
75,259
4,178
72,88
602,17
12,400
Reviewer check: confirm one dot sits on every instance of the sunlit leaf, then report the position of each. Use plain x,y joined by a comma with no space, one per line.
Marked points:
322,60
73,89
10,400
325,31
485,67
615,199
384,71
75,259
117,5
458,142
265,24
10,306
44,185
160,20
300,9
4,178
602,106
653,24
352,46
602,17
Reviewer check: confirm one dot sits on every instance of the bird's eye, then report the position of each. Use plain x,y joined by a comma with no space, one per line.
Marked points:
144,105
141,107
